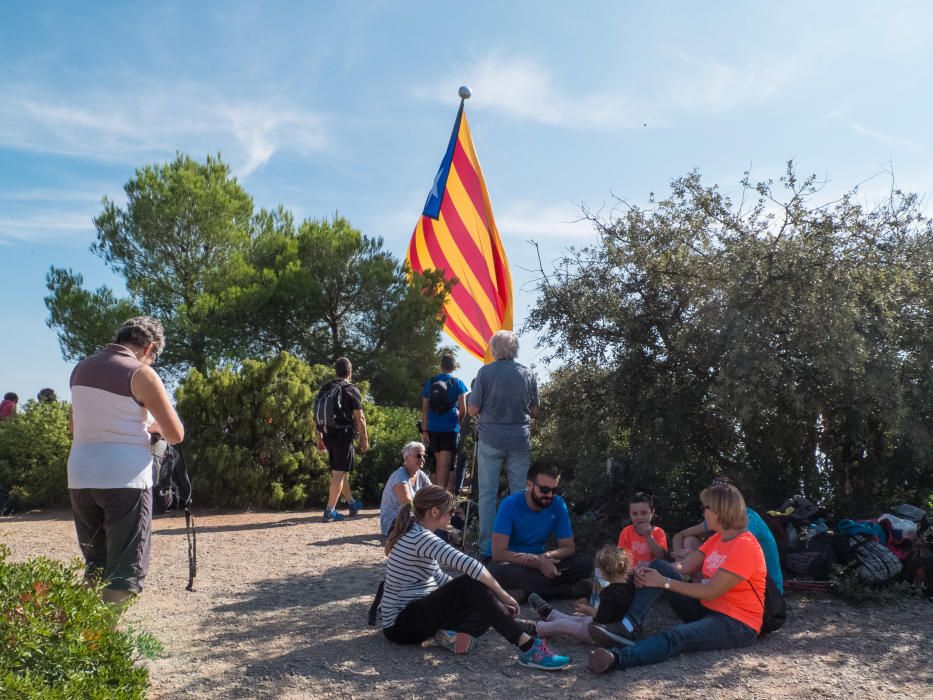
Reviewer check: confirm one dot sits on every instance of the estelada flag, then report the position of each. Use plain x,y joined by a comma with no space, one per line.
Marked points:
457,234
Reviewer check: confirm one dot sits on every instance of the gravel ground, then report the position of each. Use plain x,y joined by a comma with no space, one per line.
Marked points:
280,612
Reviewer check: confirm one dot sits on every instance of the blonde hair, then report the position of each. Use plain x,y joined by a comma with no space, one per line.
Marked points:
427,498
726,501
613,561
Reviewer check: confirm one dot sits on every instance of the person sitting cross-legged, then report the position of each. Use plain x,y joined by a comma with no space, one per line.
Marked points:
520,534
723,610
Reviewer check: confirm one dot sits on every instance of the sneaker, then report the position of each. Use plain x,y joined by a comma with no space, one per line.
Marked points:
332,515
601,660
355,507
613,634
528,627
455,642
518,594
539,656
540,605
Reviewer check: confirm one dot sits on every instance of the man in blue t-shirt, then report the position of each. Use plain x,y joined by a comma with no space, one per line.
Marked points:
522,530
440,422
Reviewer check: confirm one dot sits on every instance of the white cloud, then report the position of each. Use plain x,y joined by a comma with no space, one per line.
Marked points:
886,139
525,89
156,121
39,226
533,220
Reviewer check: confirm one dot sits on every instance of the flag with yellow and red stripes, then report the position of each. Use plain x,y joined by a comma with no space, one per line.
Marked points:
457,234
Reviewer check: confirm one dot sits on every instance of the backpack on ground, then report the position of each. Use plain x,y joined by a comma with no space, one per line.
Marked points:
328,408
439,396
814,558
877,563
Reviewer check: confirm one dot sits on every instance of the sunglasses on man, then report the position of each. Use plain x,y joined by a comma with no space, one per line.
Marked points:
545,490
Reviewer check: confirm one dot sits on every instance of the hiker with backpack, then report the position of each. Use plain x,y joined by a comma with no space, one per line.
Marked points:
723,609
443,407
338,417
117,400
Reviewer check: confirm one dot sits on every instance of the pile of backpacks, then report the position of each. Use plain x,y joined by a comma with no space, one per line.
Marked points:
894,546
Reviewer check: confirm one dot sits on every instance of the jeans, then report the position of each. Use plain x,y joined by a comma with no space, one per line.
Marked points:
489,464
702,630
576,567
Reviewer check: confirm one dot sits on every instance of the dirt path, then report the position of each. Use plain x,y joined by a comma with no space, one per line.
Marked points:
280,611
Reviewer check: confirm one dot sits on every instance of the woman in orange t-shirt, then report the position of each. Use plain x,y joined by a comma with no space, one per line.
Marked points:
723,610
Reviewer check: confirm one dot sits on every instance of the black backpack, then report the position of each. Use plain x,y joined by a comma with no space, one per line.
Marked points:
775,608
328,408
171,490
439,396
171,485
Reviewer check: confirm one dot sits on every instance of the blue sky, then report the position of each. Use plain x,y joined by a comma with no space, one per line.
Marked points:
325,107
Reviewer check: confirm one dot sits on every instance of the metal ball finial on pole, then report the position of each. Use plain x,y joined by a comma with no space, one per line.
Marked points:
464,92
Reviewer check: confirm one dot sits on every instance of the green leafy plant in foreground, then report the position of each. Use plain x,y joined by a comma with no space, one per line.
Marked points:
59,640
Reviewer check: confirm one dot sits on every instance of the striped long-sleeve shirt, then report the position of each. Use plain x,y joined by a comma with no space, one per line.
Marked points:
413,570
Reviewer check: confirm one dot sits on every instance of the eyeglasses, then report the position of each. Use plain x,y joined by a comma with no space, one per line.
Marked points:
419,455
545,490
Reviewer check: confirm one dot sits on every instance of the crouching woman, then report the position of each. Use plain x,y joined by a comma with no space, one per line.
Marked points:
421,601
722,610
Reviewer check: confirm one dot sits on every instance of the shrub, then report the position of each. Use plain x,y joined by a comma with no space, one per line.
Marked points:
251,443
390,428
34,446
58,640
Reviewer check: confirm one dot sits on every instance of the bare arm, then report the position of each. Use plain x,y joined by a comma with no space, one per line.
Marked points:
462,409
148,389
721,582
677,541
474,411
566,547
402,493
360,421
425,402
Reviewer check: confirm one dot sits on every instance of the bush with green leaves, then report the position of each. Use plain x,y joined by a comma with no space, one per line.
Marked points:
59,641
250,441
34,446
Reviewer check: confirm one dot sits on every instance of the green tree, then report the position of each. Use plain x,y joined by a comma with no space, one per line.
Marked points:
34,447
182,223
326,290
251,441
784,342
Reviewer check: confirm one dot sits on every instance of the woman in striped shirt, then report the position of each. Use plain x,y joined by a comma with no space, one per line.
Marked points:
421,601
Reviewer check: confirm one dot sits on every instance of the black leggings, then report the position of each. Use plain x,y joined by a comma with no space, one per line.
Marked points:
462,605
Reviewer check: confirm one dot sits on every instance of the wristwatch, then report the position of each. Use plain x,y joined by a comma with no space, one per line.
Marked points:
667,584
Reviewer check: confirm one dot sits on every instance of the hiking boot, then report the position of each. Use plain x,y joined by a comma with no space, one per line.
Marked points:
455,642
539,656
332,515
355,507
613,634
528,627
518,594
601,660
540,605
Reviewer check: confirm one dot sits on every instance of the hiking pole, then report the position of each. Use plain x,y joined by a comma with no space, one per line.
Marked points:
191,534
472,476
